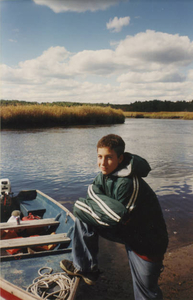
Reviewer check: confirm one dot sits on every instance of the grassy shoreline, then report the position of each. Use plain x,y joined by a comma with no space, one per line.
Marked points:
184,115
40,116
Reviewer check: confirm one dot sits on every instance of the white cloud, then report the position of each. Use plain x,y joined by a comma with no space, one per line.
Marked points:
144,52
12,41
156,48
153,76
149,65
190,75
89,62
116,24
53,63
77,5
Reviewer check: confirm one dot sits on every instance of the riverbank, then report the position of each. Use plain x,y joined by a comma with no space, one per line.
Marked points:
115,283
185,115
40,116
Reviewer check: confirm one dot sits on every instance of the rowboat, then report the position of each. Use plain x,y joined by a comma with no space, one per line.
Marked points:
36,234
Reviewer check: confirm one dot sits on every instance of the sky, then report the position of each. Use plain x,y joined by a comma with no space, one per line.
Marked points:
96,51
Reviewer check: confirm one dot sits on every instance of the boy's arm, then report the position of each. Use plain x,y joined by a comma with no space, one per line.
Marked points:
100,210
128,191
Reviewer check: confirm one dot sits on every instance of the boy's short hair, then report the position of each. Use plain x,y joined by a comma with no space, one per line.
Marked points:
114,142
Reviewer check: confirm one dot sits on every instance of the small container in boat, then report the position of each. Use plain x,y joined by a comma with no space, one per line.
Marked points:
18,220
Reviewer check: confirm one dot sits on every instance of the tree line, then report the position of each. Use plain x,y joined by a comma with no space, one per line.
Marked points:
156,106
138,106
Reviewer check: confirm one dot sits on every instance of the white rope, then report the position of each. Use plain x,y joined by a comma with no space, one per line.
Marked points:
41,285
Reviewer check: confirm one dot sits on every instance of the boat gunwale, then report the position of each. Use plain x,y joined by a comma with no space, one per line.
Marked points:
15,290
58,204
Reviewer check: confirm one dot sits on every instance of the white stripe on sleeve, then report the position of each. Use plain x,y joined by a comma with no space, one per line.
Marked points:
82,206
106,209
134,195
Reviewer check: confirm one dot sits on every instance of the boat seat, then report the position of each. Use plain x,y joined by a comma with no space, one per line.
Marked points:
59,238
32,206
28,224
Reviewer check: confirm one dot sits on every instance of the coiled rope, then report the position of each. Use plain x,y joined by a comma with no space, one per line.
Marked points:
44,284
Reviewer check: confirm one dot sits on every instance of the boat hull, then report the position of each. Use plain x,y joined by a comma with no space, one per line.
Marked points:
19,271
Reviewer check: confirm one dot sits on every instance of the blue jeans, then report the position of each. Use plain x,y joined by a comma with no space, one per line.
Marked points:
145,274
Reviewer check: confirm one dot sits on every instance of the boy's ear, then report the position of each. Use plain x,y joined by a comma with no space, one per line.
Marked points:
120,158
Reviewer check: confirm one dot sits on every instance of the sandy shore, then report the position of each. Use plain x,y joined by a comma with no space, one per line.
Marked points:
115,282
177,279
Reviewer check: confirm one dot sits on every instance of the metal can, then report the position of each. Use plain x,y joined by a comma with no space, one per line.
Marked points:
18,220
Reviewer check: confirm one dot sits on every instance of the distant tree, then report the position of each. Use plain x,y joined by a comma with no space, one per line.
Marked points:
139,106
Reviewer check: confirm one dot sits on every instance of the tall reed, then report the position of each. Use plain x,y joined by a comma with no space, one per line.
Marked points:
48,116
160,115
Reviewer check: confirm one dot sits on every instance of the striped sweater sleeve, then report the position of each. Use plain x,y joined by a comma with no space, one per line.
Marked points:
98,209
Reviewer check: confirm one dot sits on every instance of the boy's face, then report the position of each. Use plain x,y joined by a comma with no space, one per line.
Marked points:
108,160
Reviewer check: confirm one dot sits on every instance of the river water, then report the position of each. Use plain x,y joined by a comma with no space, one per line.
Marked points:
61,162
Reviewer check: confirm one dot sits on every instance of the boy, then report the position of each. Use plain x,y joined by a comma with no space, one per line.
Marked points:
121,207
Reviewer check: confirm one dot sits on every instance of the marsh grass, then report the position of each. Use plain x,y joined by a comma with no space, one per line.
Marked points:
185,115
39,116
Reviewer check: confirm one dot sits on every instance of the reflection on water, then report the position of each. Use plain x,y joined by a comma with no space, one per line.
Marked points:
178,211
62,161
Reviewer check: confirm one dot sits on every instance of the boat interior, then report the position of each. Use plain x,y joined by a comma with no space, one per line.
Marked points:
32,225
